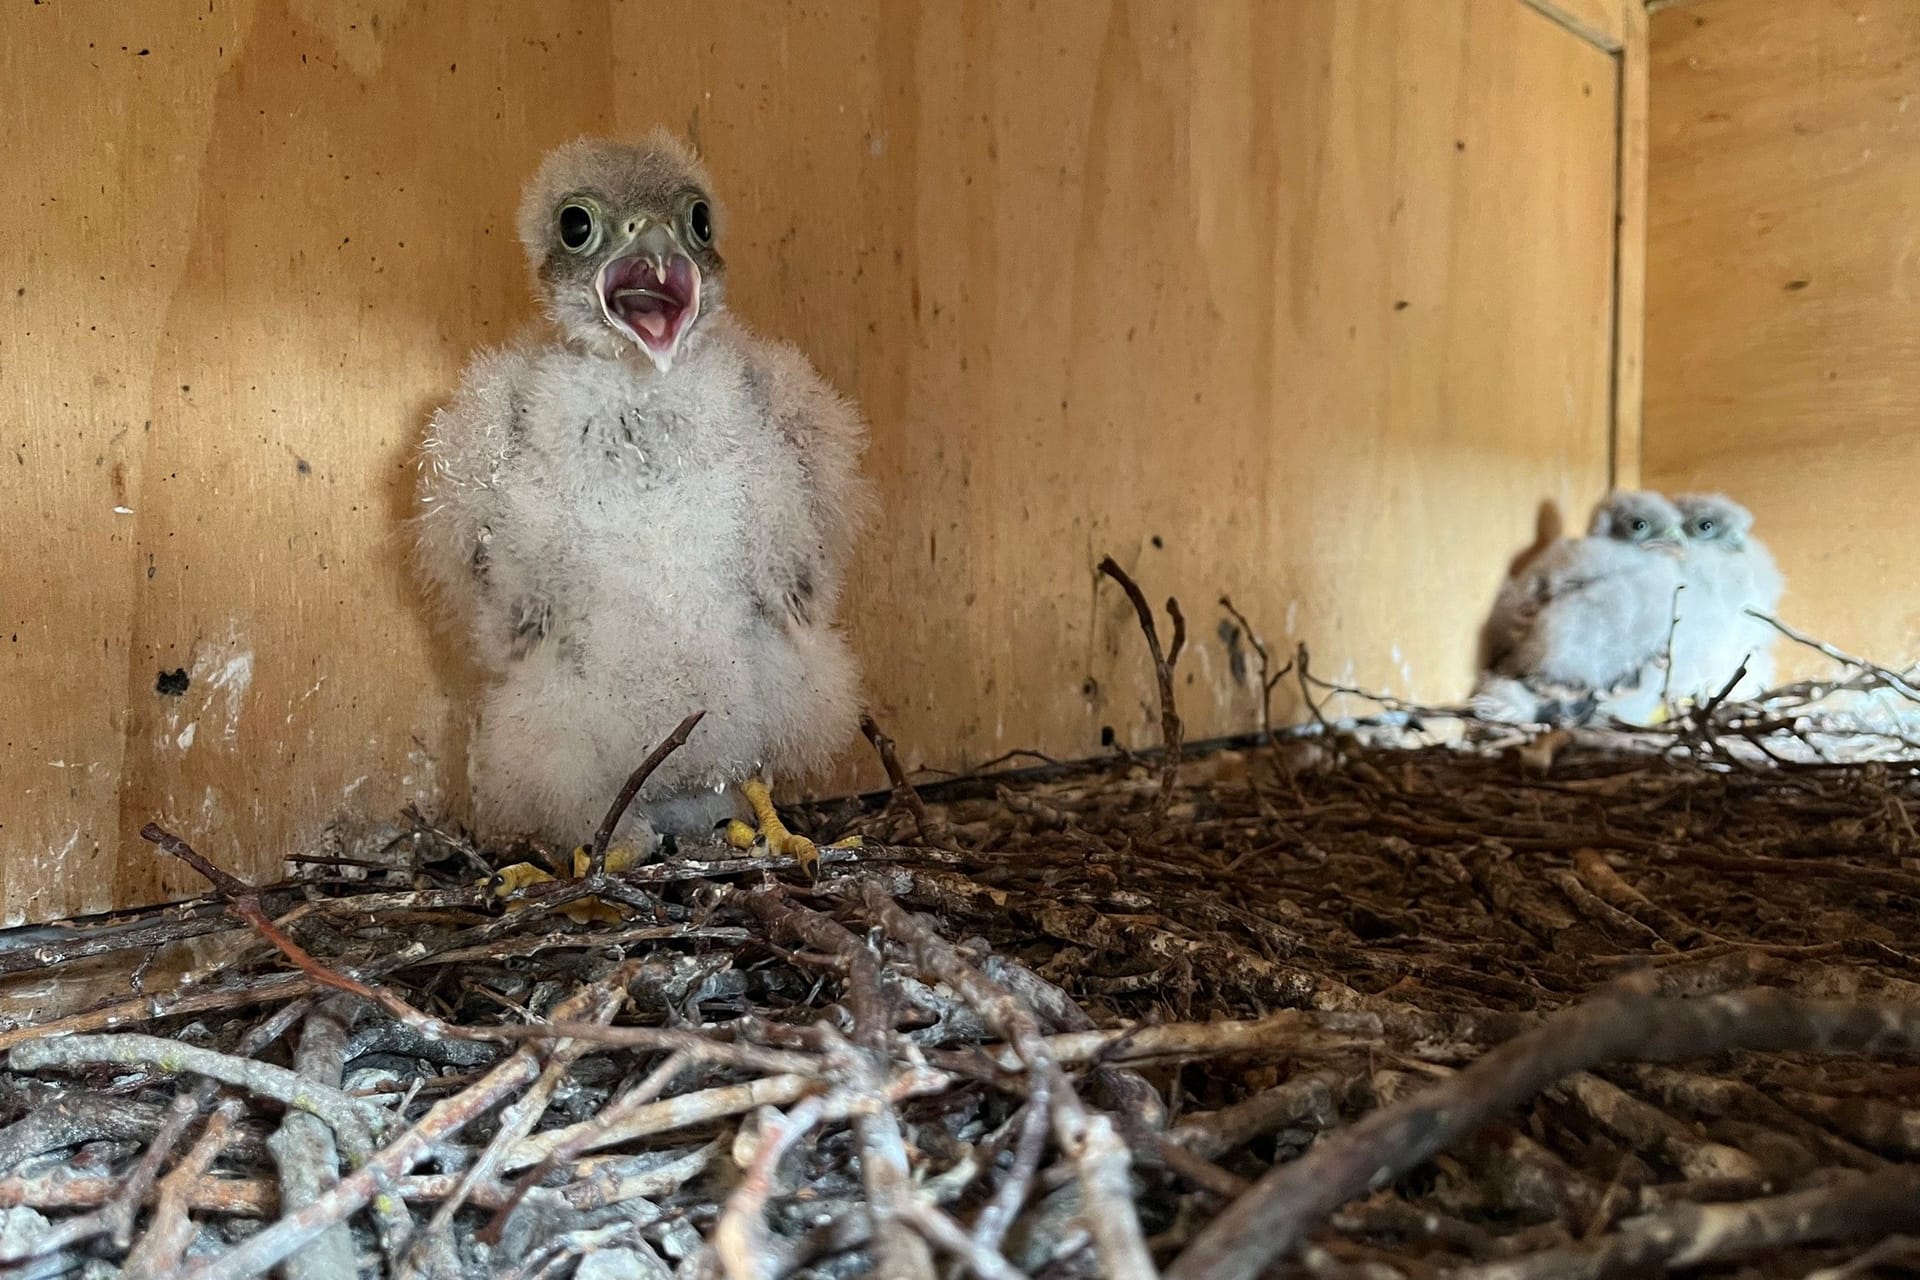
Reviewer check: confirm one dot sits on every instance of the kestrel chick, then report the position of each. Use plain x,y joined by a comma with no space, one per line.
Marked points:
1728,571
642,510
1582,629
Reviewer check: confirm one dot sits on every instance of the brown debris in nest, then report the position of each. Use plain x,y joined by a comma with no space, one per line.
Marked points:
1406,1013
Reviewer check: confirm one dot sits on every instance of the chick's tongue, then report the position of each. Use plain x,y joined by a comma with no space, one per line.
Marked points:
654,322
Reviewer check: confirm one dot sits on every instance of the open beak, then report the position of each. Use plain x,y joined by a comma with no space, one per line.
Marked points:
650,291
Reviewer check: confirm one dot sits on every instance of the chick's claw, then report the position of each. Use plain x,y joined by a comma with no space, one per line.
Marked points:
511,880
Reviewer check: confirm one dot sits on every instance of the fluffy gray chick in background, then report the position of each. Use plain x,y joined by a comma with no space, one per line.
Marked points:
1728,571
640,512
1582,629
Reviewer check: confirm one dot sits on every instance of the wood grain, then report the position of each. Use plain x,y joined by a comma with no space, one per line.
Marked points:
1307,302
1783,310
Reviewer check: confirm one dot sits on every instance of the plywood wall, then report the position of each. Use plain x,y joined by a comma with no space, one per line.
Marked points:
1783,308
1308,302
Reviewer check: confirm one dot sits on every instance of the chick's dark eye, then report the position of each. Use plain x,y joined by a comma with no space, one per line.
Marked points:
1639,526
1704,526
700,223
576,226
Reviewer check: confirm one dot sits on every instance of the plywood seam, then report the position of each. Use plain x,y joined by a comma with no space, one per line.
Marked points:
1599,39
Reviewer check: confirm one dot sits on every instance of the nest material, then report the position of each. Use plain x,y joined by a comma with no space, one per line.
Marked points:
1316,1010
1320,1010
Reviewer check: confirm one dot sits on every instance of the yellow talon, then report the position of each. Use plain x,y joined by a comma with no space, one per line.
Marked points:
774,832
522,875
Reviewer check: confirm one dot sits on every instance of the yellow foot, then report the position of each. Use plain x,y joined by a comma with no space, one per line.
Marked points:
521,875
773,832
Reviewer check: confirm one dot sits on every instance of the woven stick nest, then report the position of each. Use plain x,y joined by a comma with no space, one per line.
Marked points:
1320,1007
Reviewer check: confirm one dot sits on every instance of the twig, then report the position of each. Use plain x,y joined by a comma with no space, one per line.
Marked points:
447,1117
1300,664
898,1253
303,1147
1088,1137
171,1229
982,1259
598,1003
585,1136
1269,679
1673,625
739,1238
1163,673
637,779
1625,1022
1689,1235
344,1114
896,776
1891,679
115,1218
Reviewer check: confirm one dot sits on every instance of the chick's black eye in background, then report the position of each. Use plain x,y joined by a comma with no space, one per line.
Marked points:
700,223
1639,526
576,225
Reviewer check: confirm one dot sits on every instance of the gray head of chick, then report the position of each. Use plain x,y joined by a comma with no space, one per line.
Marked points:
1638,516
621,239
1714,520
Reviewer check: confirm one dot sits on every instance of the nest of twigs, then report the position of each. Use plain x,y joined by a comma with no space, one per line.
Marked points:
1375,1012
1318,1008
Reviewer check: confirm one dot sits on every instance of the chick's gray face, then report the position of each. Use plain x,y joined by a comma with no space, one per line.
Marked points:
622,242
1644,519
1714,521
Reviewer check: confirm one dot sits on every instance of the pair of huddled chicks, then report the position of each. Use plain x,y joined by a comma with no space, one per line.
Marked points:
645,511
1653,609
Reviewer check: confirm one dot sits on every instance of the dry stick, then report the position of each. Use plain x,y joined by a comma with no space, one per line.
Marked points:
740,1237
1163,673
1086,1136
1296,1031
446,1118
636,780
584,1137
983,1260
434,1028
1673,625
170,1230
1301,658
1269,679
902,789
344,1114
1892,679
303,1148
1627,1021
884,1170
708,1105
115,1218
1598,874
994,1220
599,1002
243,901
143,1009
232,1197
1688,1235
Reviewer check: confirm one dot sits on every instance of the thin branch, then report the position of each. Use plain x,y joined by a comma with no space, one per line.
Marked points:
260,1253
1890,678
637,779
1628,1021
1170,732
902,789
1269,679
1086,1136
